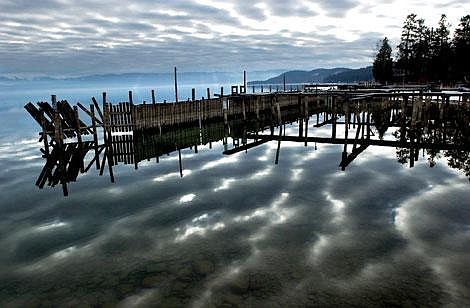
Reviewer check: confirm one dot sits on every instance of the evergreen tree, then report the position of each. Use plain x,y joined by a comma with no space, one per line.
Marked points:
441,52
406,46
421,55
461,46
414,49
383,63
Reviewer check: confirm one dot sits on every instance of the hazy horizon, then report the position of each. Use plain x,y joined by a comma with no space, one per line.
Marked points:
170,72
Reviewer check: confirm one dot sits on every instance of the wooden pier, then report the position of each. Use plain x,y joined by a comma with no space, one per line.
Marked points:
129,133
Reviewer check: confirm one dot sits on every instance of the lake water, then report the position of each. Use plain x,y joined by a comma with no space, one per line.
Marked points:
280,224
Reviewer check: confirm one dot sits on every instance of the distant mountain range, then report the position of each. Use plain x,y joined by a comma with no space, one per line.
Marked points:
154,78
332,75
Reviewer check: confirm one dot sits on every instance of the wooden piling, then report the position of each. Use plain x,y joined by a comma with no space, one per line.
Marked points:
95,135
176,86
244,79
44,131
77,125
58,135
243,108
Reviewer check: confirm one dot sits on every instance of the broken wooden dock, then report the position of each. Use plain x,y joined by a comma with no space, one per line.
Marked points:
128,133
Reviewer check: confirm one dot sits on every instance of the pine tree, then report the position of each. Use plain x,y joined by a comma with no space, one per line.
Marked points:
420,61
383,63
461,46
406,46
441,52
414,49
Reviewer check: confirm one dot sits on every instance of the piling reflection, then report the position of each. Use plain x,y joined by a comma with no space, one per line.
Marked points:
438,129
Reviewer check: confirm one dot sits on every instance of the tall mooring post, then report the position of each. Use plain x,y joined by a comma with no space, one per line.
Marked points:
244,79
176,86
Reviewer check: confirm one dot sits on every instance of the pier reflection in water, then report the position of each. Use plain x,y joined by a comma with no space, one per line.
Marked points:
311,205
436,129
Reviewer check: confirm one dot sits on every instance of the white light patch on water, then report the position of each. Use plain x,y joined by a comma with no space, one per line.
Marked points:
30,157
62,254
51,226
200,218
338,207
191,230
256,213
374,152
285,144
261,174
145,298
187,198
263,158
319,247
116,190
223,161
171,175
296,174
225,184
276,214
176,157
268,153
218,226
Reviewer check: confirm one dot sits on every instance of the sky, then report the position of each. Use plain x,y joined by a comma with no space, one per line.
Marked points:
73,38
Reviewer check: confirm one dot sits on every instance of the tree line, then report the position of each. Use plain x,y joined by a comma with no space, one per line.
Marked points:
426,54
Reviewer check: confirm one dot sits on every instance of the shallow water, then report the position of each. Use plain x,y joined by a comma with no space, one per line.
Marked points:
239,230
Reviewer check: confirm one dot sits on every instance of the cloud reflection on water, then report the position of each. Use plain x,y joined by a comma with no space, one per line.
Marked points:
249,231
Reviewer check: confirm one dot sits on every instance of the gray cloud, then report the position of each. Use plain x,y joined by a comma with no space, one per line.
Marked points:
72,38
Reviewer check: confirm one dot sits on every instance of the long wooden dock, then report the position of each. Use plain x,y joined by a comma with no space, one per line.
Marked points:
129,133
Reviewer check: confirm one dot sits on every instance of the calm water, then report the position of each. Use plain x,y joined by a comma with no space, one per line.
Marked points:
238,230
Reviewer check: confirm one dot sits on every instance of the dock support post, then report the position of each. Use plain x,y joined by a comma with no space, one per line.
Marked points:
95,136
306,108
180,162
58,136
244,79
44,131
278,145
243,108
107,136
57,122
79,134
278,107
176,86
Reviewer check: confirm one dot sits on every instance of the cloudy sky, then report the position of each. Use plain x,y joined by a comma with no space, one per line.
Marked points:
66,37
